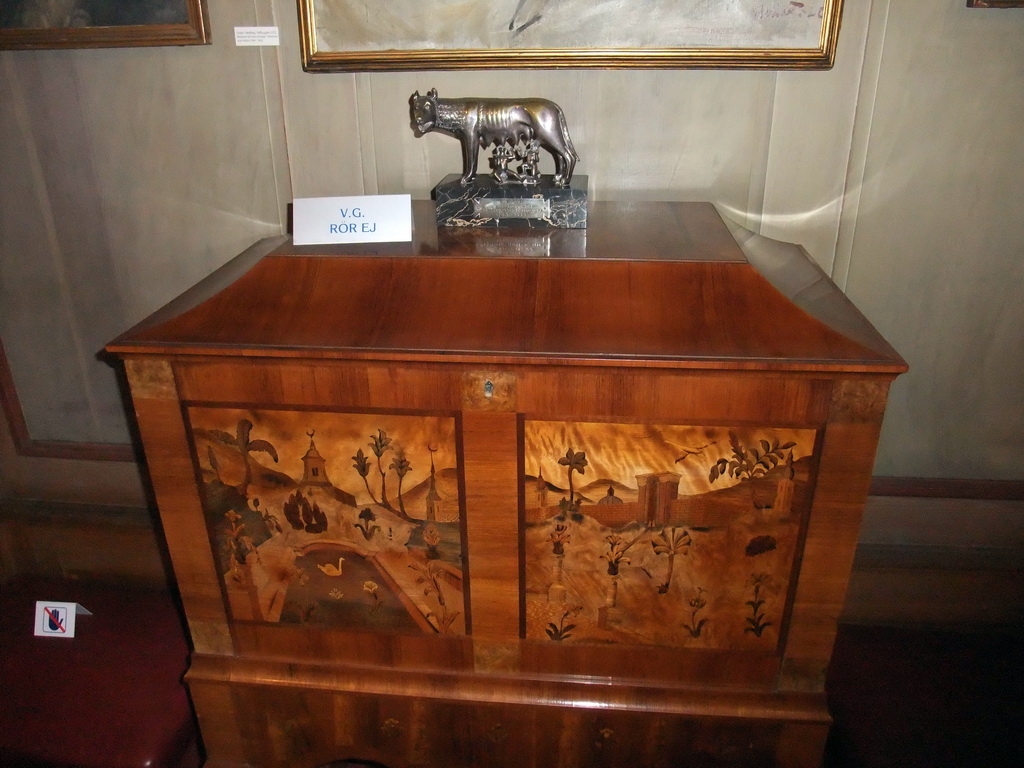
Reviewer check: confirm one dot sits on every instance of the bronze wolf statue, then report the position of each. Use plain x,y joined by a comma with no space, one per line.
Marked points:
483,122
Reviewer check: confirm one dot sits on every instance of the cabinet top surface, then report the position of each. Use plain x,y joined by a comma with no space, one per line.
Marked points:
662,284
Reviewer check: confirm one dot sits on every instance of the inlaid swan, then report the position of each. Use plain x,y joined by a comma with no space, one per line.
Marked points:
331,570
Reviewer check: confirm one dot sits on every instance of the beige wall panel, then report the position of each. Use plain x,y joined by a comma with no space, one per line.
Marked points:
936,250
56,282
322,114
812,129
677,135
135,172
185,166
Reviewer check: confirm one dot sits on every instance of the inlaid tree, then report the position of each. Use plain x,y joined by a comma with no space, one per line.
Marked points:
574,461
246,446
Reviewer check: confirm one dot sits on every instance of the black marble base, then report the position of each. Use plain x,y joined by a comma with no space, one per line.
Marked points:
485,203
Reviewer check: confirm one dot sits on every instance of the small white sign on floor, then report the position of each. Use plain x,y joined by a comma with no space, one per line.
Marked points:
57,619
365,219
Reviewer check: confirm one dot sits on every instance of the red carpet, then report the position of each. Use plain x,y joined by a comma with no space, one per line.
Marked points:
926,699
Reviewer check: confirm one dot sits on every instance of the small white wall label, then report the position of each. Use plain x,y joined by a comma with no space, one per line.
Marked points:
257,36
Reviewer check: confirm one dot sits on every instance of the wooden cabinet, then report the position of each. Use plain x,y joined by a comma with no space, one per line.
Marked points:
496,497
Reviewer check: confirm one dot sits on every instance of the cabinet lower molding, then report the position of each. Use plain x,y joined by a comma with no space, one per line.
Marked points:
280,714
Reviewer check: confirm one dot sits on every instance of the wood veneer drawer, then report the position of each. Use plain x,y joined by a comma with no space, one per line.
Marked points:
540,391
290,728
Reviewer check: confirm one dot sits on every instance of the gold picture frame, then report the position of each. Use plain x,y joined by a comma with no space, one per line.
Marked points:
34,24
344,35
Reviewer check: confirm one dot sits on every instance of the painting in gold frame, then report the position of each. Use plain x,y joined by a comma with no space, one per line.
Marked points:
340,35
30,24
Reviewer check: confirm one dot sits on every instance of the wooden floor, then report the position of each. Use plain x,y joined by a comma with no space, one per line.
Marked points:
926,699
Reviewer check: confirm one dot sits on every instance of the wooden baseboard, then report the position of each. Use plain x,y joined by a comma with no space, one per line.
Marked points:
87,542
967,600
940,553
948,488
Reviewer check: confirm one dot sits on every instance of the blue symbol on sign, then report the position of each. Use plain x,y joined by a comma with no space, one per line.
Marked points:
55,619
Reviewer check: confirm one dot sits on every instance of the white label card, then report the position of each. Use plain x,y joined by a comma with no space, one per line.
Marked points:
257,36
57,619
366,219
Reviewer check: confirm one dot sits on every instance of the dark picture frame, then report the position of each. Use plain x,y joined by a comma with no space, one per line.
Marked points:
995,3
39,24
